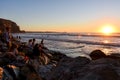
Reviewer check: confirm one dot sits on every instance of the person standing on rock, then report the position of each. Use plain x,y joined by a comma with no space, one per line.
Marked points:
30,43
33,42
7,37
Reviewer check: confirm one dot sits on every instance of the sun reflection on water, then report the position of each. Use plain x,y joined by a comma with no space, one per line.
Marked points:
106,51
106,41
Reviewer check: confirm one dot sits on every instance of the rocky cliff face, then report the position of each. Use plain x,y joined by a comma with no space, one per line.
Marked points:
8,23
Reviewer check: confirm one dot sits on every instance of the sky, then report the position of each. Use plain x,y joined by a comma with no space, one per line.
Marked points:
62,15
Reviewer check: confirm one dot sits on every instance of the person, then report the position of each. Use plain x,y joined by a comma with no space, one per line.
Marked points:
38,52
18,38
7,37
33,42
14,49
42,44
30,43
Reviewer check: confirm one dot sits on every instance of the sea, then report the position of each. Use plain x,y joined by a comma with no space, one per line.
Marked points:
75,44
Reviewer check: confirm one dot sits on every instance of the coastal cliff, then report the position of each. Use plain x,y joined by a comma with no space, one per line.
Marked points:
8,23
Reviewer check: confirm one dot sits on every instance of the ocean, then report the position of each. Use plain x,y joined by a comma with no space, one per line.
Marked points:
75,44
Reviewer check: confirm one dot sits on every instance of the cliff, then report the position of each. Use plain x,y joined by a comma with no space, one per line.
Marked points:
8,23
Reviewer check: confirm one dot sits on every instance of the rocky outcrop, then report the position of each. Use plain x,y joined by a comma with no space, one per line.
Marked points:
68,69
8,23
62,67
81,68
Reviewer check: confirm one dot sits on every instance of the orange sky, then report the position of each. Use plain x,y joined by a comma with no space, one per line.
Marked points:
91,26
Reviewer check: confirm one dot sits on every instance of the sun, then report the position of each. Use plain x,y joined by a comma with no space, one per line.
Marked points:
108,29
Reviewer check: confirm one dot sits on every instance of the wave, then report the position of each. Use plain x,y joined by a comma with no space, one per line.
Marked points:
112,36
74,41
117,35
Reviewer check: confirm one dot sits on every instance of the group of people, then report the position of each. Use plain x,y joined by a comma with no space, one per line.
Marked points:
35,47
7,40
37,50
13,48
31,43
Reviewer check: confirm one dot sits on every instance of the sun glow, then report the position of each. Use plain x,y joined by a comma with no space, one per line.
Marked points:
106,41
108,29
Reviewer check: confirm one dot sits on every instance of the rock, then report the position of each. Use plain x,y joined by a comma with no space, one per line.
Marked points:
8,23
28,73
67,68
61,67
4,61
96,54
33,76
44,70
55,55
1,73
81,68
114,56
101,69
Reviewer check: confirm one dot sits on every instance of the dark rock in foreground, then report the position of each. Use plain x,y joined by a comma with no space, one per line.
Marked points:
61,67
81,68
67,68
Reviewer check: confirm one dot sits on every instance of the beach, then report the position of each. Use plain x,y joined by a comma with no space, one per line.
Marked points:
62,58
59,40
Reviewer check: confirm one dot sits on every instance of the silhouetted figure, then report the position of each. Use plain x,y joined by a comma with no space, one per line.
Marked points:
14,49
19,37
42,44
39,53
33,42
97,54
30,43
36,51
7,37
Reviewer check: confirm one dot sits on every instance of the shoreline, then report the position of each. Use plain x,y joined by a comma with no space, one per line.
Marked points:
62,67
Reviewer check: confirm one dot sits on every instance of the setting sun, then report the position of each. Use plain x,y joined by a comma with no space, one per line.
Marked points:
108,29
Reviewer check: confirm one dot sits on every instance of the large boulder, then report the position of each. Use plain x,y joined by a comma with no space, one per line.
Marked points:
8,23
97,54
67,68
81,68
101,69
28,73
